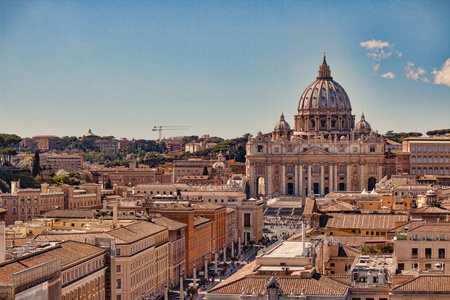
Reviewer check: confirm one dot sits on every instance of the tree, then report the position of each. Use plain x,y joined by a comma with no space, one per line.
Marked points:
438,132
36,164
9,153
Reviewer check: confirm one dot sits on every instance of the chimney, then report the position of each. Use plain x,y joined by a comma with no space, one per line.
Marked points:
303,237
2,242
15,185
115,215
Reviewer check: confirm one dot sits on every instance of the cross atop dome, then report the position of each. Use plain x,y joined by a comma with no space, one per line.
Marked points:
324,70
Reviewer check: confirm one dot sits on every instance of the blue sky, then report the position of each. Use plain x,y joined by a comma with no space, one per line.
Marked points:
223,67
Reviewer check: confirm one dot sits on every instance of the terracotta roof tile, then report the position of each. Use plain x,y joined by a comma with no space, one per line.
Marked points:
169,223
316,286
425,283
135,231
364,221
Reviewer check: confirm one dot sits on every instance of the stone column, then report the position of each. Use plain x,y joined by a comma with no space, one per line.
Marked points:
181,288
206,268
330,178
224,254
232,248
362,177
195,277
309,179
335,174
302,178
215,261
380,172
349,182
269,179
296,179
239,246
322,180
283,178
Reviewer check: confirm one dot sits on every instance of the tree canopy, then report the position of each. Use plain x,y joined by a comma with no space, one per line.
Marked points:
438,132
400,136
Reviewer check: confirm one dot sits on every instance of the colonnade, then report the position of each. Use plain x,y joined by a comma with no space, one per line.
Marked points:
305,175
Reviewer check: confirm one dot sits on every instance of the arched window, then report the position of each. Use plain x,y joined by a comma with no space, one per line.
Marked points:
413,171
290,169
260,169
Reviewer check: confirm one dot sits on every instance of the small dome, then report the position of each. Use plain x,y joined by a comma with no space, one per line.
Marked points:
282,125
363,126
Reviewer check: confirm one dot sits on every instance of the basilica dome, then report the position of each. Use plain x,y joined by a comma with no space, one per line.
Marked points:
324,106
282,125
363,126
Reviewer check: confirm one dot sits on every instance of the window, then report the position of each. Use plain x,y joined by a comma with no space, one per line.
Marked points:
442,237
118,252
119,283
332,265
414,237
414,252
441,253
401,266
118,268
415,266
347,267
427,252
372,148
260,148
428,237
427,266
246,220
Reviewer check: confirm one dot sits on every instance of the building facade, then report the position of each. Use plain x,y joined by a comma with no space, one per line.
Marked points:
325,151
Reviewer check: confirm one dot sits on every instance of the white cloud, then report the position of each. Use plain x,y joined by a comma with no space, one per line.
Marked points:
399,53
379,54
443,75
375,68
415,73
388,75
373,44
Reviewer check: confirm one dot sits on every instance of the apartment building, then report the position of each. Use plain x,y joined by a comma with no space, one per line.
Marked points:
428,155
218,215
48,142
64,162
27,204
423,246
198,235
124,176
177,240
67,270
142,259
190,167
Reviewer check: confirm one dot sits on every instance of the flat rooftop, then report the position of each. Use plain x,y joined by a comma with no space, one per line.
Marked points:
287,249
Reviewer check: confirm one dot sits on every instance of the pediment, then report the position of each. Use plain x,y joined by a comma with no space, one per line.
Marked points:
316,151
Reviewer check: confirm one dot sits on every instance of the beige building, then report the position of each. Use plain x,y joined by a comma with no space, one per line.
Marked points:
190,167
428,156
325,151
423,246
65,162
177,239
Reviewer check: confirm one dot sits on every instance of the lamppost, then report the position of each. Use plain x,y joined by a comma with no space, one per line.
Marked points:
239,245
206,268
166,294
224,254
195,277
215,261
232,248
181,286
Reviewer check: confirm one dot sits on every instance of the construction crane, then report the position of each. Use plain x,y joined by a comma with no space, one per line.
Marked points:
162,127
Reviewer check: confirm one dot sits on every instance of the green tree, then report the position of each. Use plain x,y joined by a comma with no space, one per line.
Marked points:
9,153
36,164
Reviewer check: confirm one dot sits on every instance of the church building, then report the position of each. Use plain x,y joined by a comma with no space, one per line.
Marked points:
324,152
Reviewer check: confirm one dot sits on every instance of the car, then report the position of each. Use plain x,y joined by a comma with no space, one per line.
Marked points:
266,230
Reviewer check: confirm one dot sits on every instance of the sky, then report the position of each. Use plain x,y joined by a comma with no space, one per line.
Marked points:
225,68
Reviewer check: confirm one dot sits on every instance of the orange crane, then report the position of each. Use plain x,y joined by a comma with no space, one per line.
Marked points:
160,128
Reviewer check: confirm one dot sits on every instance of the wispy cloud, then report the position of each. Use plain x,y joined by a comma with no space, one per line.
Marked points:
375,68
399,53
373,44
388,75
443,75
415,74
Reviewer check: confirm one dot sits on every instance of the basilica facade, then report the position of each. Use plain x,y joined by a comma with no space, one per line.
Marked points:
324,152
